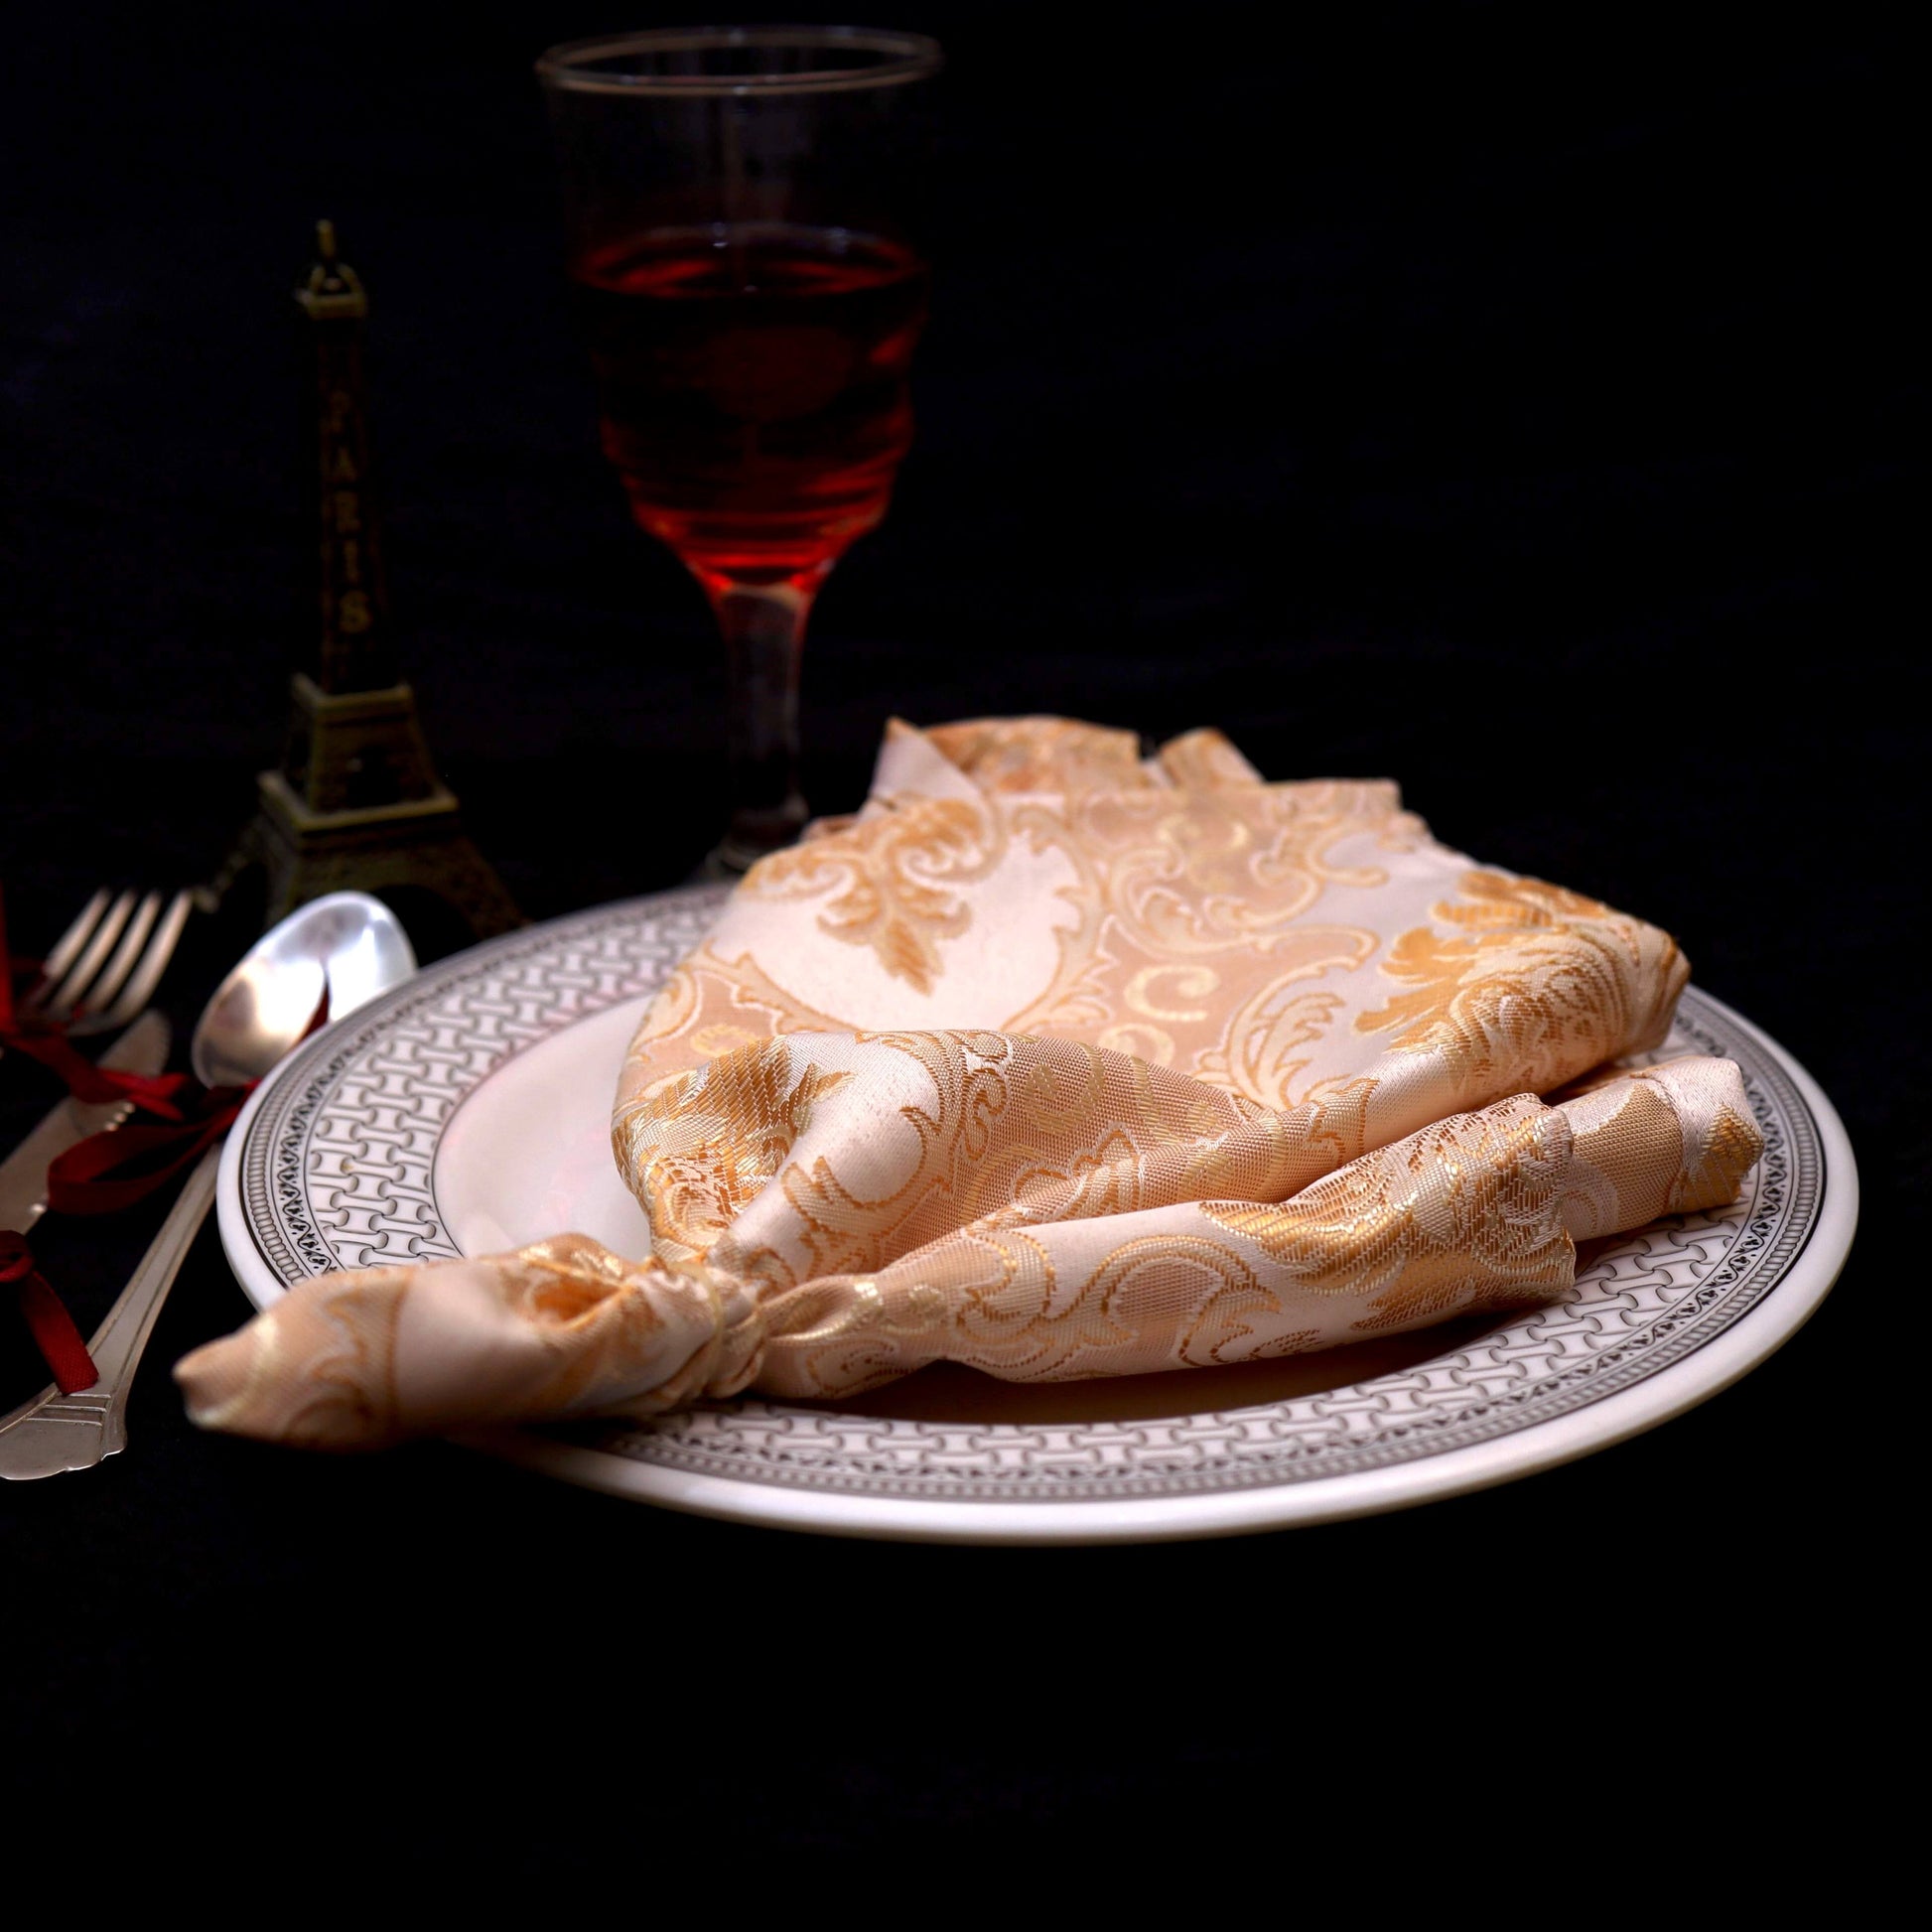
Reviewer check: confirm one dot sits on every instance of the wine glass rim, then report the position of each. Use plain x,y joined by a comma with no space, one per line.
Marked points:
907,57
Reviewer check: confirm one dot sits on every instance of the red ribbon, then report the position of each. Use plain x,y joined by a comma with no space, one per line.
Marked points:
47,1320
106,1171
111,1170
153,1093
118,1167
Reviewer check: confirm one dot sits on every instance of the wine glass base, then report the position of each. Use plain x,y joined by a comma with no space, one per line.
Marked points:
724,863
751,836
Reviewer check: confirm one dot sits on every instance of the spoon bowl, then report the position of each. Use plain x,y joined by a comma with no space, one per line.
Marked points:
346,945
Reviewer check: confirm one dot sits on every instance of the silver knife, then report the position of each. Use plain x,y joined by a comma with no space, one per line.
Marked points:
143,1048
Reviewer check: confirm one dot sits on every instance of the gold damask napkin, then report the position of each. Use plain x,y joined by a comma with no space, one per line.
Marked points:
1061,1063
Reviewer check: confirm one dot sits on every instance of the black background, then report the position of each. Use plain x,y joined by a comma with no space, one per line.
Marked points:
1510,401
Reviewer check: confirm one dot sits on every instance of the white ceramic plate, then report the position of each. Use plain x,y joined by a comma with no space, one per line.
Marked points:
468,1111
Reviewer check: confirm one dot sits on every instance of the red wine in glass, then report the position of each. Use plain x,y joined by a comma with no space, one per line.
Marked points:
753,381
746,210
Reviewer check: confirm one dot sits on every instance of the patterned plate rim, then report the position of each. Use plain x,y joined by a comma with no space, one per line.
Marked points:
1765,1265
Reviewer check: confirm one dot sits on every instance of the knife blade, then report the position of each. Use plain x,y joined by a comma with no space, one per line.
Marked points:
143,1048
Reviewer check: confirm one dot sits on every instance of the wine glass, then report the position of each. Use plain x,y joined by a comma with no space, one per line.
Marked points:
746,212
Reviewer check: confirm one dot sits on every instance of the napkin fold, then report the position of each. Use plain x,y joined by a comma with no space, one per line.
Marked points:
1059,1062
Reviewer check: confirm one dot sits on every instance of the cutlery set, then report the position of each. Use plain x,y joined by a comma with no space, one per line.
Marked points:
317,965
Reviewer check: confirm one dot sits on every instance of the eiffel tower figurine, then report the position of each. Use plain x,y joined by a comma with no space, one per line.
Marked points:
357,802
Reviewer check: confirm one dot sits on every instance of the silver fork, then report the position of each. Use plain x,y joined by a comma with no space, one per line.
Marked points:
106,966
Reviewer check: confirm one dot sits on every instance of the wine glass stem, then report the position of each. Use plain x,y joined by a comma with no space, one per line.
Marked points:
764,626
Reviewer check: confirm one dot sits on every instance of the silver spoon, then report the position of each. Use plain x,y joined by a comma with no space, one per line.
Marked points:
348,945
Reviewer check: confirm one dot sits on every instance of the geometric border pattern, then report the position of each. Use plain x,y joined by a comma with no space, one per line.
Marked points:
338,1170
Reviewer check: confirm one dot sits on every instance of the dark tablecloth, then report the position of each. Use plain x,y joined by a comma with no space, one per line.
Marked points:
1509,402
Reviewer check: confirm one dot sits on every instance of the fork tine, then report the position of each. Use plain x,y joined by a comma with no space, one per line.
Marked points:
140,987
111,977
57,1002
73,939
